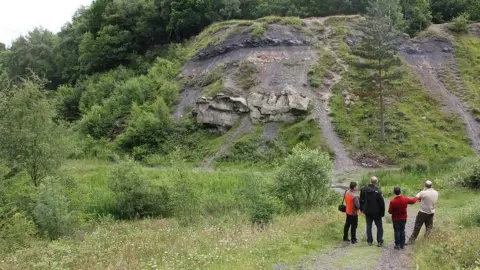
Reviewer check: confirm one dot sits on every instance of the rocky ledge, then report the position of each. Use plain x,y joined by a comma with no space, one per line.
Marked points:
223,111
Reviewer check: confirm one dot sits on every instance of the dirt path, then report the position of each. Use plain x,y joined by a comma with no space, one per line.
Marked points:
321,113
361,255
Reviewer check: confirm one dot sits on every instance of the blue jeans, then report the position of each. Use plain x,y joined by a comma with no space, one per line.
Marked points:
378,224
399,228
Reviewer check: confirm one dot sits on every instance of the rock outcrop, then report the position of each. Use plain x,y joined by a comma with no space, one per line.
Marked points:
223,111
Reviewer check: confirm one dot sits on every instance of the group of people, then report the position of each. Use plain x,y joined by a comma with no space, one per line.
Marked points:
372,204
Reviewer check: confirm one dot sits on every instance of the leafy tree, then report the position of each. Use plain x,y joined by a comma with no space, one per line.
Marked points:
460,24
446,10
417,14
3,47
304,178
378,48
33,53
29,138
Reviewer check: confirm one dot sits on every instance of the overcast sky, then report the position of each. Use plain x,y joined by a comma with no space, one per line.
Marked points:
17,17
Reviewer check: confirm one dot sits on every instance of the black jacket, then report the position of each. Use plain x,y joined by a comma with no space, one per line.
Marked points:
371,201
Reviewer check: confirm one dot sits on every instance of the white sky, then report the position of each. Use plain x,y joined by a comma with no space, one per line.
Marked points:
17,17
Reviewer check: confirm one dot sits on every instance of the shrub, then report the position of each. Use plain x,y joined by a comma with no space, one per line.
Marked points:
15,229
253,196
185,199
472,179
148,126
135,197
460,24
258,29
53,214
304,178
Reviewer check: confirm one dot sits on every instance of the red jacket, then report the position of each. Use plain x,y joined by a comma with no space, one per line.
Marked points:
398,207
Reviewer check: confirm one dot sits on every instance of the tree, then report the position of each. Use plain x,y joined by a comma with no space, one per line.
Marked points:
29,138
3,47
378,48
417,15
33,53
460,24
304,178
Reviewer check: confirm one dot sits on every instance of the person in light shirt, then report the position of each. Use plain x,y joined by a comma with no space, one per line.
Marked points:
428,197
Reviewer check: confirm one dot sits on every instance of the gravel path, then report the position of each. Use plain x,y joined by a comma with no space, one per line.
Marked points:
362,256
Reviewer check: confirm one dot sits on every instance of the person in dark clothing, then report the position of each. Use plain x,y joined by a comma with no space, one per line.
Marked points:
372,205
353,205
398,210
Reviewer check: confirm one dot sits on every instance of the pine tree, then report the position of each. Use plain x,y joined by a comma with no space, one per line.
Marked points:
377,49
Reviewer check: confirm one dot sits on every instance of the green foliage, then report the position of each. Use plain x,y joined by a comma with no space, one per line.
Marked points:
307,132
414,123
33,54
378,48
53,213
135,197
304,178
259,29
321,69
472,179
418,15
148,127
16,229
460,24
29,138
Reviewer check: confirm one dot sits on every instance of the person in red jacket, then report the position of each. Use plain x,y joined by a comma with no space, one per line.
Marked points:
398,210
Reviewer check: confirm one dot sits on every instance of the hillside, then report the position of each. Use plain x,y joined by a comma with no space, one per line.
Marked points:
289,70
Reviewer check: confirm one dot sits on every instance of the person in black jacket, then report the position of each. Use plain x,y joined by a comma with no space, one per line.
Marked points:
372,205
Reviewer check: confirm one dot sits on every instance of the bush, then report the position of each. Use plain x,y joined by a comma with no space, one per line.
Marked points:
460,24
185,199
53,214
253,195
304,178
135,197
15,229
472,179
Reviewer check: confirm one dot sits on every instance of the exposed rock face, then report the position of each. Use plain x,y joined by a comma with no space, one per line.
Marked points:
223,111
277,107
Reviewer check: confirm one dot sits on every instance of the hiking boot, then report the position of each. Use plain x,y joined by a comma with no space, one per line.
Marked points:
370,243
402,247
354,241
346,239
380,244
397,248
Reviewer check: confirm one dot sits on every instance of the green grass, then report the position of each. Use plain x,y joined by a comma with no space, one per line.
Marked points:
468,54
292,21
414,123
163,244
318,72
259,29
307,132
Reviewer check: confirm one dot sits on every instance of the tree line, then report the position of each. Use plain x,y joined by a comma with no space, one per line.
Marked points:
131,32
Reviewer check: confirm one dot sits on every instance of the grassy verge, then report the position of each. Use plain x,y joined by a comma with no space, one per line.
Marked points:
163,244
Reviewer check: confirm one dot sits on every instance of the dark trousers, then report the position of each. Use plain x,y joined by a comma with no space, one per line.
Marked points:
378,224
399,229
351,223
421,219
